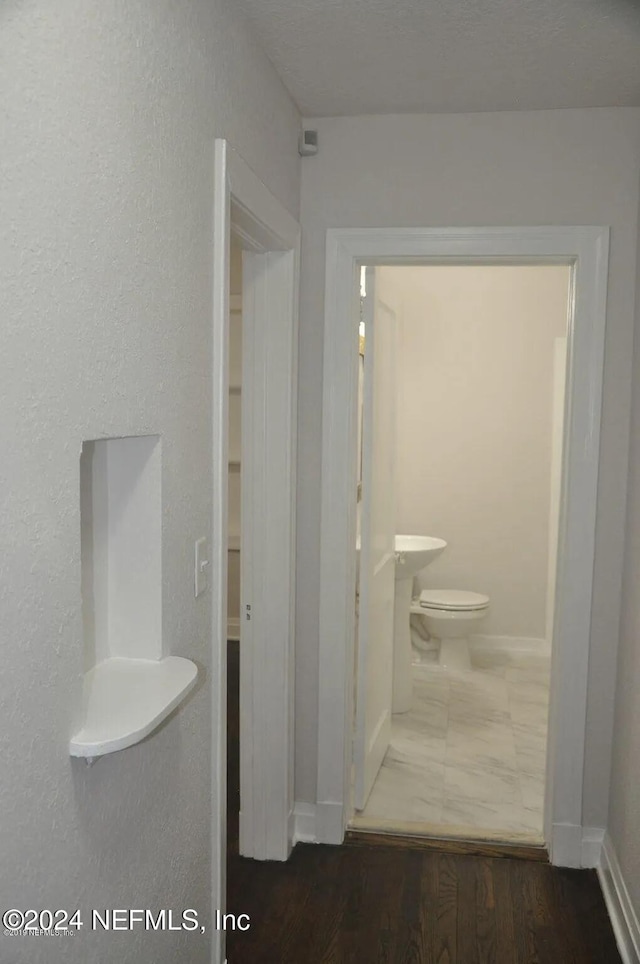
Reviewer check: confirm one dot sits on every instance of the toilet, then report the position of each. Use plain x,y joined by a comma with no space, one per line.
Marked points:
451,616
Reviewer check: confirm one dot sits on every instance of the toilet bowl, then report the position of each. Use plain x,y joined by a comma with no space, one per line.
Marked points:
451,616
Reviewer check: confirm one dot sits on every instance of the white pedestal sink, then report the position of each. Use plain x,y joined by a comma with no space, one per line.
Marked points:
413,553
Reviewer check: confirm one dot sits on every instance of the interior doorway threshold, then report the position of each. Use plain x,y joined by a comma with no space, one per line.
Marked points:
445,839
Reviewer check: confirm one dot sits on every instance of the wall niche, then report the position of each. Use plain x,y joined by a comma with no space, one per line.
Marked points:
128,687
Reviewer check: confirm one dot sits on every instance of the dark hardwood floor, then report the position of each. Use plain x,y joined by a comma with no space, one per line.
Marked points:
233,750
364,905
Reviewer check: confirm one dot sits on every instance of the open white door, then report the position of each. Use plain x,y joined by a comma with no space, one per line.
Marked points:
267,555
377,557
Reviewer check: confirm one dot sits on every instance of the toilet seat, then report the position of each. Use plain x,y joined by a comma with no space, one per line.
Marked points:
453,600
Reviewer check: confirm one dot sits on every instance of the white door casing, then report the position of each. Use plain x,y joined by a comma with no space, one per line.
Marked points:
377,557
585,249
244,205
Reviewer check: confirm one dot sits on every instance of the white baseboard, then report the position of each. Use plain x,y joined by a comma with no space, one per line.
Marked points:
592,838
233,629
330,823
566,845
304,823
624,919
518,644
318,823
575,846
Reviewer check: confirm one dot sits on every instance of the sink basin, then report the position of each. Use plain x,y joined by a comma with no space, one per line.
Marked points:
413,553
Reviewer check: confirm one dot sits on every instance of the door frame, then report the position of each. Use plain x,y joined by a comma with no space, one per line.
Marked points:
585,249
270,237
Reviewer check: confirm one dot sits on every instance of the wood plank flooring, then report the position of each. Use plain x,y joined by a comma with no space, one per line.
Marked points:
364,905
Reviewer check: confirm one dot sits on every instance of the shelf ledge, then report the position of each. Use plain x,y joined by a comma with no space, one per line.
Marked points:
124,700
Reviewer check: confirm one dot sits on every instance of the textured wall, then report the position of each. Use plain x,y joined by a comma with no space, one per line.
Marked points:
624,826
546,167
109,111
474,395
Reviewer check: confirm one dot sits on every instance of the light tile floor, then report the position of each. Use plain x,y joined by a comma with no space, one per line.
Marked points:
468,759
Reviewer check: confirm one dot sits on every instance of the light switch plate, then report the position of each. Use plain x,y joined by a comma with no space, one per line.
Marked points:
201,580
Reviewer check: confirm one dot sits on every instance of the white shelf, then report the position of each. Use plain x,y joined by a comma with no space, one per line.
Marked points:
124,700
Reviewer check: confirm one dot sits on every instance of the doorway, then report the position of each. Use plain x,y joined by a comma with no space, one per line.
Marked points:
234,581
462,423
268,238
585,251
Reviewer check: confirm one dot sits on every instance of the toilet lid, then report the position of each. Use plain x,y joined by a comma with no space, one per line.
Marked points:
452,600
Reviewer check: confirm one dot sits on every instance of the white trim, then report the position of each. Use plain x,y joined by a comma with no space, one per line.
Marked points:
304,818
567,845
244,205
555,475
514,644
586,250
592,838
220,442
624,918
576,846
330,823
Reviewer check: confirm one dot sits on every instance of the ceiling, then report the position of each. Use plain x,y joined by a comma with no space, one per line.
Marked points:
341,57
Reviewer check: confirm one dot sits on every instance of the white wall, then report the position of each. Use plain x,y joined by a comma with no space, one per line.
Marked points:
544,167
624,827
109,111
475,391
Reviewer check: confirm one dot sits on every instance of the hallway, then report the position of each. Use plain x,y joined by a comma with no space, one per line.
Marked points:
357,904
350,906
145,147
